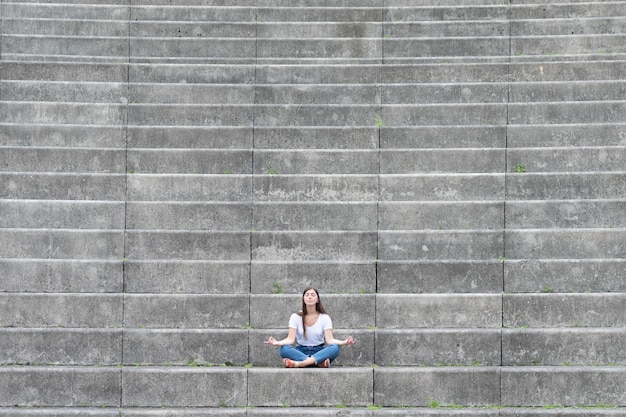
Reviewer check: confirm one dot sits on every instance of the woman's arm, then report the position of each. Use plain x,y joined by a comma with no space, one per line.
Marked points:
291,337
330,339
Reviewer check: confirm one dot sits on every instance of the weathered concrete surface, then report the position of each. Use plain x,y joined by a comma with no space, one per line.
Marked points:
310,387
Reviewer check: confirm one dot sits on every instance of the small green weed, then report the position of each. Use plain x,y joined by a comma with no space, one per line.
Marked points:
278,288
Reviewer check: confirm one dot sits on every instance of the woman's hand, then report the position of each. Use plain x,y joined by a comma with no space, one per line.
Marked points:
350,341
271,341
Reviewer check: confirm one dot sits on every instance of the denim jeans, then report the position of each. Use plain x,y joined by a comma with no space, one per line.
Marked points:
300,353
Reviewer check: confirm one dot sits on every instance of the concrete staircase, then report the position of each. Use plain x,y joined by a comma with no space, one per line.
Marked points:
450,175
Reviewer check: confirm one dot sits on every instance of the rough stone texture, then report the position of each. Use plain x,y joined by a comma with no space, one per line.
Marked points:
60,386
568,386
405,311
420,386
310,387
184,387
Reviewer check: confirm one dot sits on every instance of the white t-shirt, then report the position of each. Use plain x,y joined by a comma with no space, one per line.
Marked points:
314,334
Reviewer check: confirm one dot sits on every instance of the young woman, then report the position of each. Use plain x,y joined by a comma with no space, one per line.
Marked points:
312,330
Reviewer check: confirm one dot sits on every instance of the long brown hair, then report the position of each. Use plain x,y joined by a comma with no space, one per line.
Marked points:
318,307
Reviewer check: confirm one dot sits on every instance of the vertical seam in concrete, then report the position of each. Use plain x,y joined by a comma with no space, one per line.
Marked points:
252,190
121,374
506,169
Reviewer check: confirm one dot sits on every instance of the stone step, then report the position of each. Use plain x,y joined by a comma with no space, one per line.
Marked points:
405,93
114,48
563,160
62,186
62,243
64,71
48,214
559,135
67,160
78,27
572,275
45,346
440,276
565,214
101,114
566,186
315,411
215,387
190,161
61,310
563,310
569,9
65,91
565,243
62,275
65,10
609,24
565,347
401,347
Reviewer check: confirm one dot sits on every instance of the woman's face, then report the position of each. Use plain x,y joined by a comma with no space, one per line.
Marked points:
310,298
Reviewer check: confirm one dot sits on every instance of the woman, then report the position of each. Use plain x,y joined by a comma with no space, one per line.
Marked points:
310,329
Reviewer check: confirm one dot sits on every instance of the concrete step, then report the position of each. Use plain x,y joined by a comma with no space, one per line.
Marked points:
605,134
190,115
61,310
456,215
105,114
315,411
86,28
64,71
567,112
404,245
48,214
68,160
563,310
62,244
62,275
444,187
439,276
192,29
190,161
187,276
312,162
525,92
565,243
414,311
187,187
572,275
609,24
565,347
566,214
571,186
45,346
569,9
563,160
354,216
196,137
65,10
189,245
65,91
192,93
103,48
438,347
63,186
189,216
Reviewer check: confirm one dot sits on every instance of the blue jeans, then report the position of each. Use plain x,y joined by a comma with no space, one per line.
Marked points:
300,353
